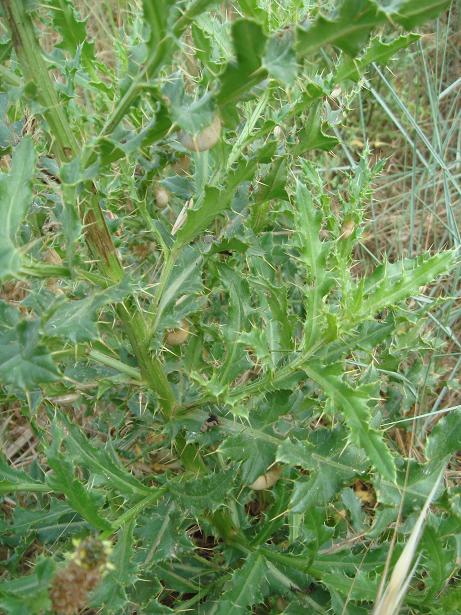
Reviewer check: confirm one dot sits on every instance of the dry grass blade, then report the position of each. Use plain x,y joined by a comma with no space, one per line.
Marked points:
389,603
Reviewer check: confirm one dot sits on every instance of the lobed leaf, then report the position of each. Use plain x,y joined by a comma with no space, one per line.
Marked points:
72,30
254,454
280,58
313,254
249,43
76,319
24,361
316,491
202,493
83,501
214,201
312,135
13,479
162,534
28,594
355,20
392,284
445,439
111,592
353,403
378,51
101,463
246,587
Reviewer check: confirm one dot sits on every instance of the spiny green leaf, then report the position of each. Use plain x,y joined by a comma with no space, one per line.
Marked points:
246,587
323,447
28,594
313,254
249,44
24,362
418,481
354,405
214,201
57,522
71,28
354,506
235,359
296,454
101,463
445,439
355,20
272,186
111,592
12,479
349,31
251,8
258,341
329,463
316,491
15,200
355,586
190,114
162,534
411,13
9,316
77,320
208,207
308,224
80,499
439,562
280,325
378,52
185,280
280,59
254,454
209,492
391,284
312,135
450,600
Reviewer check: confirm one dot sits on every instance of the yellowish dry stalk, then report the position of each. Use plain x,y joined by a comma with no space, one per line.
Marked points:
389,603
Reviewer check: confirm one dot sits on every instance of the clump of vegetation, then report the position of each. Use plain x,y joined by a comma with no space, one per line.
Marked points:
211,378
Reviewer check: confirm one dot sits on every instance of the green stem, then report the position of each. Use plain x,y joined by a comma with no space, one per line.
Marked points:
163,281
97,235
150,366
28,487
45,270
123,368
35,70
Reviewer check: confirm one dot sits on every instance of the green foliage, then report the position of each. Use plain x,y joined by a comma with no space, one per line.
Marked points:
207,374
354,404
15,200
24,361
444,438
245,587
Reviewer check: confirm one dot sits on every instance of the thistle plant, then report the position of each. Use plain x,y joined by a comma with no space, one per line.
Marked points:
205,363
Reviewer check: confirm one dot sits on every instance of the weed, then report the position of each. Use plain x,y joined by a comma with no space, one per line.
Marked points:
206,370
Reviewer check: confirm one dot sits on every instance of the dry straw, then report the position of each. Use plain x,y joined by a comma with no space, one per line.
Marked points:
390,601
